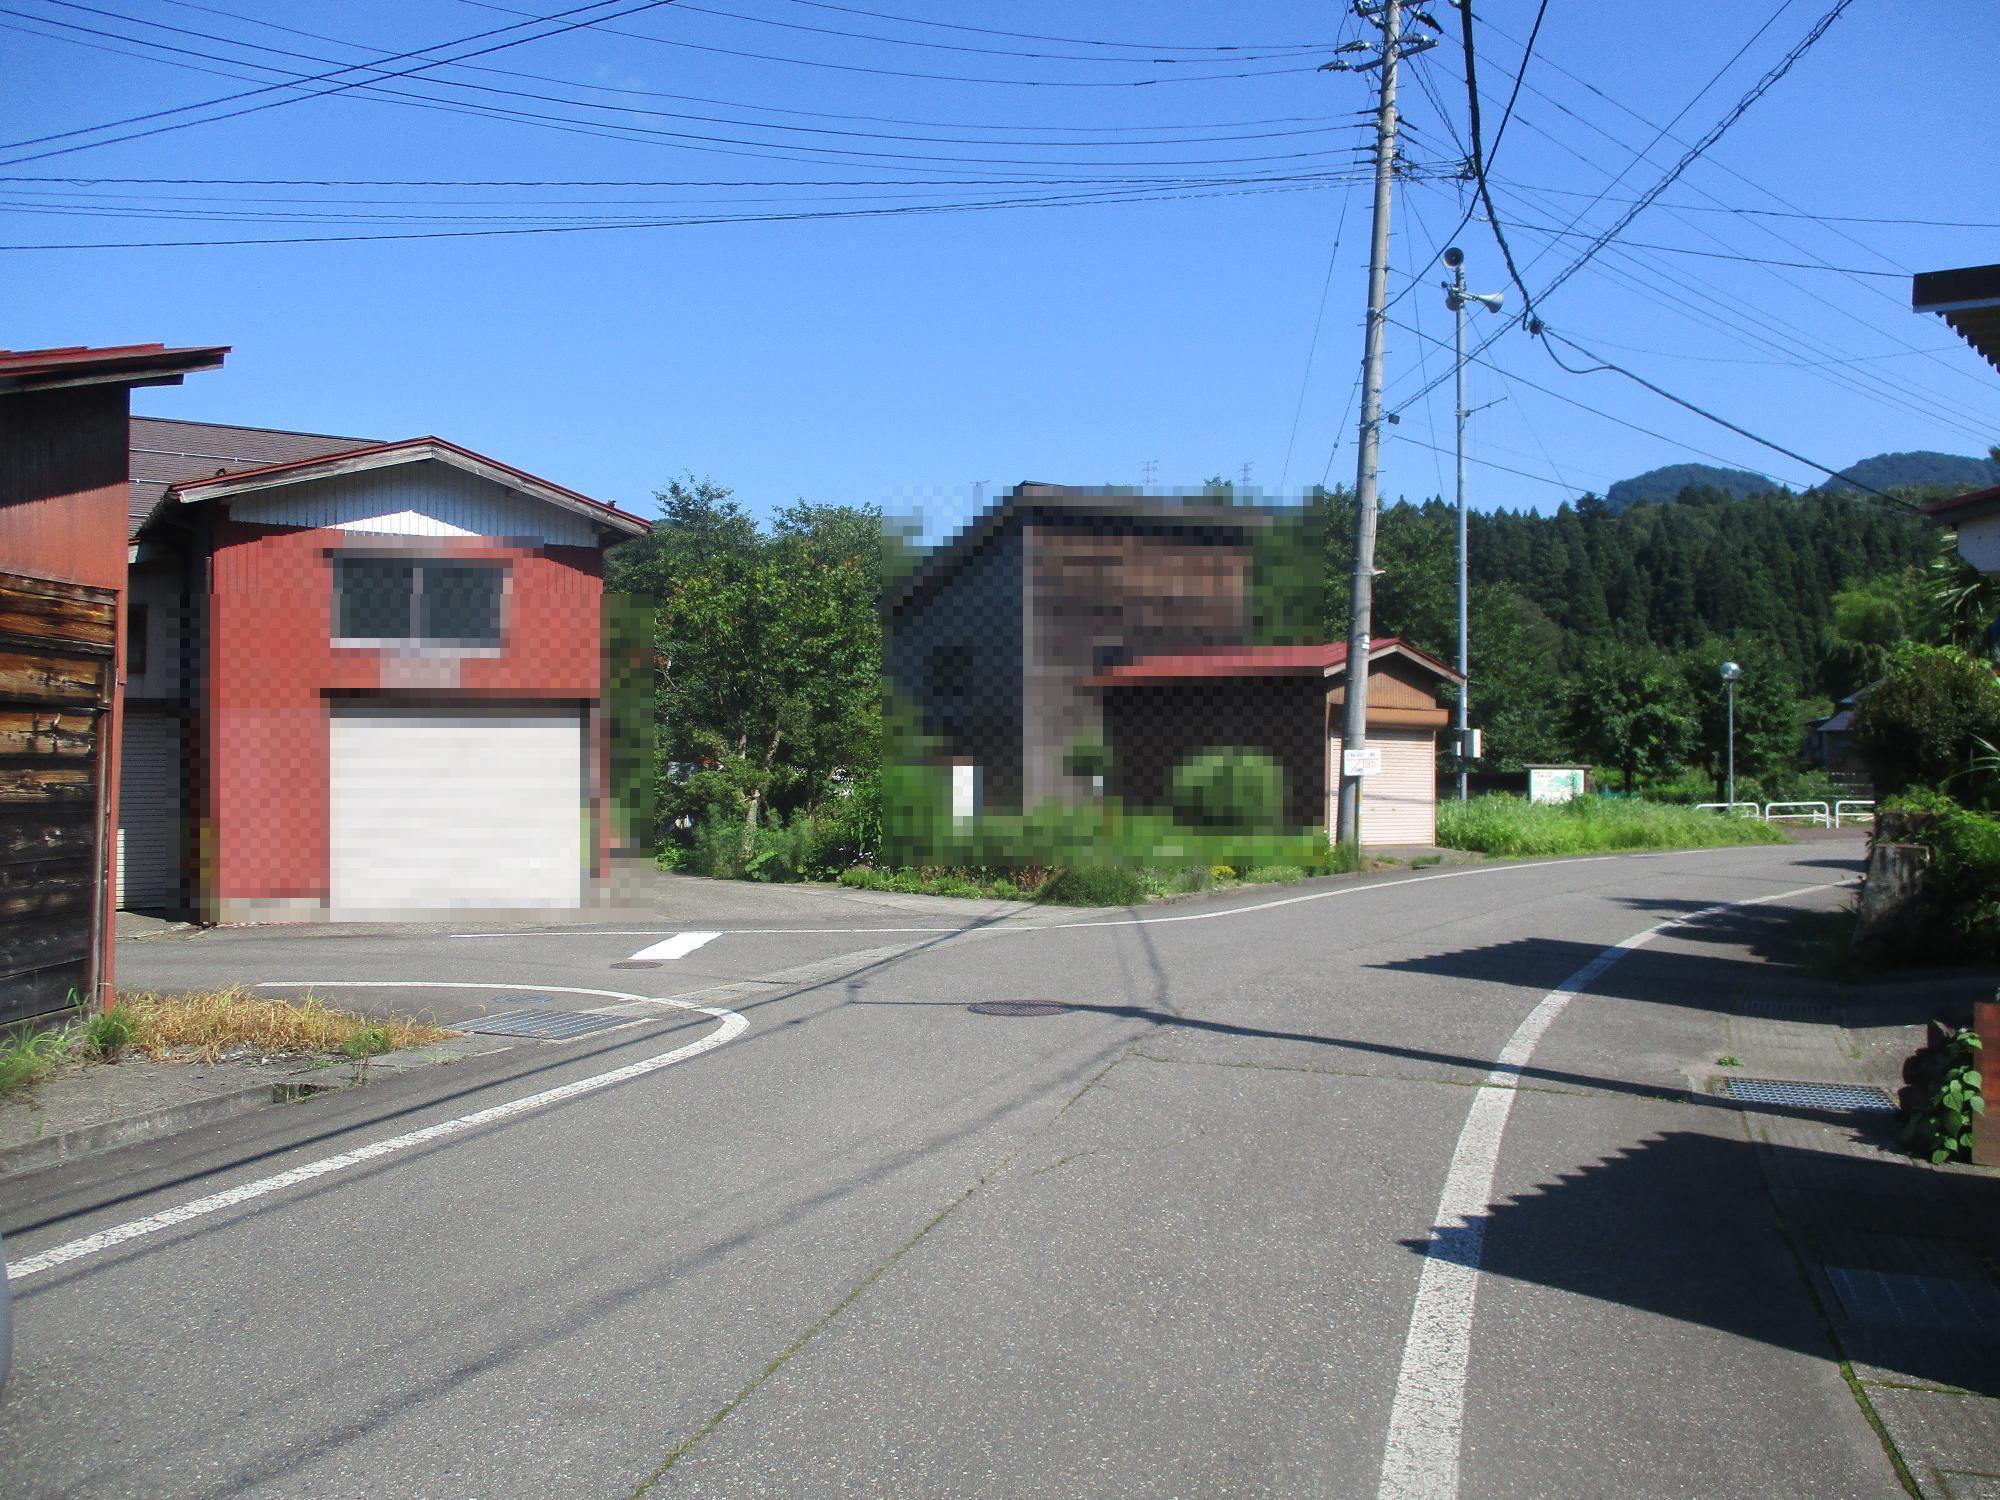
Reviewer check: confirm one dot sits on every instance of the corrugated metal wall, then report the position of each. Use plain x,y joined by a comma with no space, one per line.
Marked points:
416,499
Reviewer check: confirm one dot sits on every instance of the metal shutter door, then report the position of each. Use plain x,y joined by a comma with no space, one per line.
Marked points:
151,792
1400,805
454,807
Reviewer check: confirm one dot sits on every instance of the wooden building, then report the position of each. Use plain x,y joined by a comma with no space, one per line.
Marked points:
1072,616
63,630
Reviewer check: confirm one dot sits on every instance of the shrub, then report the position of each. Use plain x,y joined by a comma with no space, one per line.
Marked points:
1233,791
368,1041
1943,1095
1093,885
1919,725
1960,895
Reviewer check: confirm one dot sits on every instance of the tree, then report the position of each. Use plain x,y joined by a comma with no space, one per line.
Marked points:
1922,724
770,655
1627,709
1770,724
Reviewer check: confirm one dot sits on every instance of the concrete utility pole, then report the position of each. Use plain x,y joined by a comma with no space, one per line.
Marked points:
1388,17
1455,298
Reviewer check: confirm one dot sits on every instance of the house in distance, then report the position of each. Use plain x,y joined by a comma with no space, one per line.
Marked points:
1063,616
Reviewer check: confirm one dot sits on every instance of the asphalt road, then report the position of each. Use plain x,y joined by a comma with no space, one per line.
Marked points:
1163,1237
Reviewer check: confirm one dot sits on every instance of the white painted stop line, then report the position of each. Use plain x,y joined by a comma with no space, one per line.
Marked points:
680,945
733,1026
1427,1421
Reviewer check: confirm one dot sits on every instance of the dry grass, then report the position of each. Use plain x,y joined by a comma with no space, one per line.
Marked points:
211,1023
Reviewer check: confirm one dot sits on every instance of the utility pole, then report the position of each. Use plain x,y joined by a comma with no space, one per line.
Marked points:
1455,298
1387,16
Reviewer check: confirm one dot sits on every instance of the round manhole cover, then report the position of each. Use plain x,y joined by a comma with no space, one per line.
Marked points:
1018,1008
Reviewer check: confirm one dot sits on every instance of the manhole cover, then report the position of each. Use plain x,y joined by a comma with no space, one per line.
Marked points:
1019,1008
1847,1096
542,1025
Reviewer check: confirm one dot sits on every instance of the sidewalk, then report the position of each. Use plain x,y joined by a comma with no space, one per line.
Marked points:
1900,1255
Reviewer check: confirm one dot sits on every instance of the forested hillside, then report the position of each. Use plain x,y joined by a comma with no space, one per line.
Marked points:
1596,633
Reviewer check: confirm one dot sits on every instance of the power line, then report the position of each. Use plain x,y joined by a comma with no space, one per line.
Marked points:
1038,37
1701,147
1603,365
643,5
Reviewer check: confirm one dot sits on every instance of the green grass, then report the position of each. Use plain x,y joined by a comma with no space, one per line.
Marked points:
1512,827
28,1056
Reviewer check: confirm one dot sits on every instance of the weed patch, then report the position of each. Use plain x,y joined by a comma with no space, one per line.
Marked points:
1513,827
209,1024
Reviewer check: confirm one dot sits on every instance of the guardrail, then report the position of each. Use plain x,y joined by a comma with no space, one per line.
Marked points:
1735,809
1855,809
1816,813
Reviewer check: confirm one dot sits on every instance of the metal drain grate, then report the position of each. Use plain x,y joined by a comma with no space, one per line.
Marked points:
543,1025
1019,1008
1847,1096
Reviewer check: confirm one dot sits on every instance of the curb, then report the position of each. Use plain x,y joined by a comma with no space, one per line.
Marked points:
126,1130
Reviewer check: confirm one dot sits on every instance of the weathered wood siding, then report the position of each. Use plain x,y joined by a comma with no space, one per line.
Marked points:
1102,585
58,649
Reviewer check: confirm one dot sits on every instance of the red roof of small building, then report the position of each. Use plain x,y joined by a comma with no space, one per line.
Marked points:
119,364
1319,659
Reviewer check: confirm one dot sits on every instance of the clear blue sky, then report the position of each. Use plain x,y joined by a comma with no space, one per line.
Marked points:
903,357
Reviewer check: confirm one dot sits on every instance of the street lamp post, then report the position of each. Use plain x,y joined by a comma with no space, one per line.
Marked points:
1730,672
1455,298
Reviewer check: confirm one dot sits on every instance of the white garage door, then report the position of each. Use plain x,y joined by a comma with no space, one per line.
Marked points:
151,795
1399,806
454,807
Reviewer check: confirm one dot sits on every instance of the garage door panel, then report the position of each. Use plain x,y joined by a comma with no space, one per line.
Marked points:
1398,806
454,807
152,793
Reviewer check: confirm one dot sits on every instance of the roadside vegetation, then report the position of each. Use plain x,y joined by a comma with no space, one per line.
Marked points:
202,1027
1511,827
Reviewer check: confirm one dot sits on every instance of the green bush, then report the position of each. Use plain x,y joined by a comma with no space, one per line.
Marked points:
368,1041
1094,885
1274,875
1231,791
1921,724
1960,894
1513,827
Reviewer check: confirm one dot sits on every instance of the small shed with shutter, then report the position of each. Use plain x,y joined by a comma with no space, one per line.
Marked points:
1284,702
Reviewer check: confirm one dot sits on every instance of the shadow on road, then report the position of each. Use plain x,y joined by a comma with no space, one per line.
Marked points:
1629,1229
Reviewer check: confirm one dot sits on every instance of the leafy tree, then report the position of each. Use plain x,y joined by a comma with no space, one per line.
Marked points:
1627,709
1922,724
1770,721
770,655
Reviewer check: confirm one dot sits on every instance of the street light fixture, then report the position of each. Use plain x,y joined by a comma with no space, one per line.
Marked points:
1455,298
1730,672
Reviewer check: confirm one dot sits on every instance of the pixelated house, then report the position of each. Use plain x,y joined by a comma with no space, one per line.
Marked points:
1064,616
364,679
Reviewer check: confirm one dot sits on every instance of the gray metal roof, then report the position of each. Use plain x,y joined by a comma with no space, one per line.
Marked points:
166,452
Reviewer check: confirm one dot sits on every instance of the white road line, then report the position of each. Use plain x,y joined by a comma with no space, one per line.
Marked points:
680,945
733,1026
1426,1423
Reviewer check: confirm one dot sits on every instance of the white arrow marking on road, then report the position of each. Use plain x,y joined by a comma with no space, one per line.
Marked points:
680,945
1427,1421
733,1026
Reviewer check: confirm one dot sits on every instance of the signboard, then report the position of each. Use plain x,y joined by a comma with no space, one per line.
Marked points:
1367,761
1554,783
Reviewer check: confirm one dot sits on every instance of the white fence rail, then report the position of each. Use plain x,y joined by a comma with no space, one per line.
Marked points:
1854,810
1816,813
1738,809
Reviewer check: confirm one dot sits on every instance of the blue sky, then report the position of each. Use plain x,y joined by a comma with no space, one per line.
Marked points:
909,358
